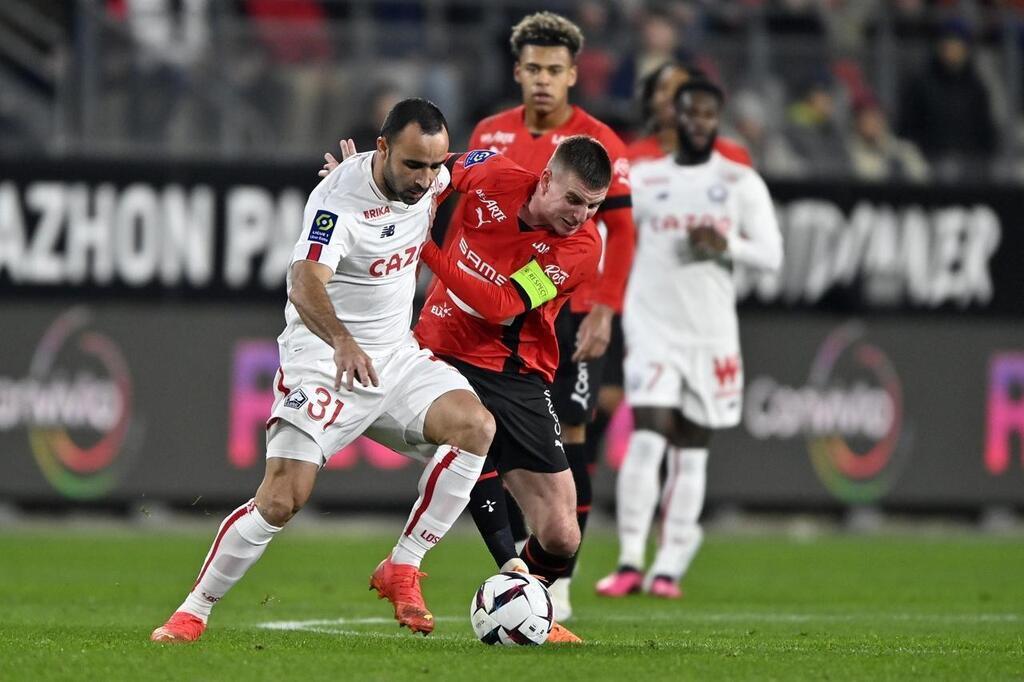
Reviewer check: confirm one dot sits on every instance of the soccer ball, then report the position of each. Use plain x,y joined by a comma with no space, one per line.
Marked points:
513,609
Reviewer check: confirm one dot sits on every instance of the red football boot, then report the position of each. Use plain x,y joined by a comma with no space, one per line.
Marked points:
400,584
180,627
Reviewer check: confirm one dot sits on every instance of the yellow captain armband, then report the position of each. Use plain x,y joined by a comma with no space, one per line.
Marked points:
535,282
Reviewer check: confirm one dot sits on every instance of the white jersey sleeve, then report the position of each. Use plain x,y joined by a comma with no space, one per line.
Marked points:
327,234
758,242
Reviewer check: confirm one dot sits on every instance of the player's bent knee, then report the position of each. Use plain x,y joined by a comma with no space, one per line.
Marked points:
561,538
278,509
475,431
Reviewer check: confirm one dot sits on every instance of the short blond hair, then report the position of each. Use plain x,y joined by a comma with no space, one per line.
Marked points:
546,29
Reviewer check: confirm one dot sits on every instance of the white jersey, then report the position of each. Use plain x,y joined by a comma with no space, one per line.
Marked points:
674,299
373,245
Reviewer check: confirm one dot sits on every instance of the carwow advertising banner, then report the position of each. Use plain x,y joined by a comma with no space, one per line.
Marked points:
127,401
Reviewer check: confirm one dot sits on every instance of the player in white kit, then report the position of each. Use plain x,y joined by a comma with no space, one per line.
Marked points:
697,215
350,366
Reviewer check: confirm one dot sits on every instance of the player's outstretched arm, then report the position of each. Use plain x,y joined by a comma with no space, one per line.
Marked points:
310,298
495,303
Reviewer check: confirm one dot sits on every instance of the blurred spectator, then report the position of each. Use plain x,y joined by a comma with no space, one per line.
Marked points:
946,108
172,38
845,22
813,129
875,153
296,37
658,43
375,109
770,151
595,65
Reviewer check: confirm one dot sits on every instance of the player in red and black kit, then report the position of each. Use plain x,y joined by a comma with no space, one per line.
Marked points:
545,46
525,245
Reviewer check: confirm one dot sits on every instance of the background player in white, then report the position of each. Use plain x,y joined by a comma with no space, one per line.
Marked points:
350,365
697,214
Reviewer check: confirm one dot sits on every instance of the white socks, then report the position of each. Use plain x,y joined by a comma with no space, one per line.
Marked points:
682,502
444,492
636,495
240,541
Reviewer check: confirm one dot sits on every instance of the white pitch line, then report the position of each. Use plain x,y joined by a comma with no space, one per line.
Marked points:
337,625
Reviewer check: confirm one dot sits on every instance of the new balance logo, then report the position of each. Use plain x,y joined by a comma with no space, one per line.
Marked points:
388,231
726,369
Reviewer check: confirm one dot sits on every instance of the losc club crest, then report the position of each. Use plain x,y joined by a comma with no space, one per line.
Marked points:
718,193
76,406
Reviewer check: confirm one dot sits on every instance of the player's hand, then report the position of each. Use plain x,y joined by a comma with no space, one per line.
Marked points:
594,334
353,364
706,242
348,148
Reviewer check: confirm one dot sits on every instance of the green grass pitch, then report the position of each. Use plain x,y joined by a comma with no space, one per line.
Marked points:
80,606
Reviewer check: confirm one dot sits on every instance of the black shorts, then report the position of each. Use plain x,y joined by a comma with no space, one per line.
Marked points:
576,383
528,434
615,356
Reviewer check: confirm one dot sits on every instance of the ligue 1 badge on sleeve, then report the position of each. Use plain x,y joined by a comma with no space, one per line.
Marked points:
322,227
477,156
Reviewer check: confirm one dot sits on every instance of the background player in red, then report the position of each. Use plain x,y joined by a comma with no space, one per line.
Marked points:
545,46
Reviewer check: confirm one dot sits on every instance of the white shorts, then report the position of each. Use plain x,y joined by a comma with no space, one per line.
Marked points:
392,414
705,383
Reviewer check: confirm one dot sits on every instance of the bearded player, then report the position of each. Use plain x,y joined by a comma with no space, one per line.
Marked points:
350,366
698,215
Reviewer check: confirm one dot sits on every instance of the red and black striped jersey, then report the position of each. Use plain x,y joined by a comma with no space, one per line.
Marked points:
506,132
501,283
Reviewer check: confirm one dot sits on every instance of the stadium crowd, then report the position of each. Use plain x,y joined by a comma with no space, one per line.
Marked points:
910,90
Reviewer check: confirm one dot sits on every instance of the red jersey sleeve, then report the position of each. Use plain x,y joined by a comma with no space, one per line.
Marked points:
617,215
495,303
557,272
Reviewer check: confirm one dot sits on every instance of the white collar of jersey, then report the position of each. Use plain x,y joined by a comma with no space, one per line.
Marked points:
712,158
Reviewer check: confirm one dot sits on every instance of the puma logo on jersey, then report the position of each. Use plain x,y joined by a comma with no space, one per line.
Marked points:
481,221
